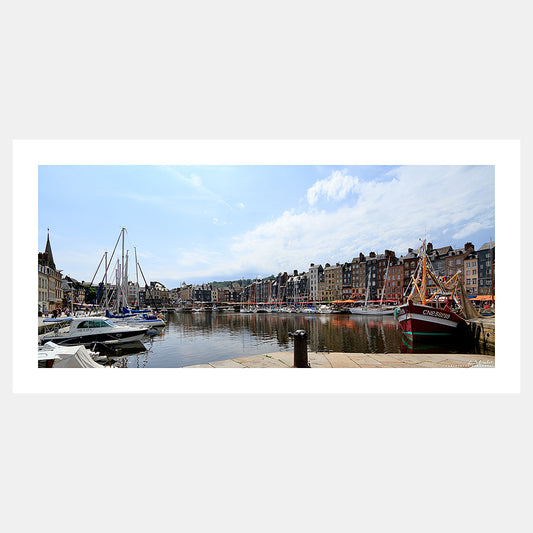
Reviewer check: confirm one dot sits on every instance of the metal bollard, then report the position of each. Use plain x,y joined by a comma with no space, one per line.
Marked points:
300,349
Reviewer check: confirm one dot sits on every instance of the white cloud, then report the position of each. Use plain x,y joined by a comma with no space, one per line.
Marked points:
334,187
391,214
240,205
195,181
467,230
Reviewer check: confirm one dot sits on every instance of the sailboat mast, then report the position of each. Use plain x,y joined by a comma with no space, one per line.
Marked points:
117,287
384,282
126,292
105,282
492,276
424,273
367,288
136,277
122,273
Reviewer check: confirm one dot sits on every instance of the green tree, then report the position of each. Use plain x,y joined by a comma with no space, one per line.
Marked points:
90,295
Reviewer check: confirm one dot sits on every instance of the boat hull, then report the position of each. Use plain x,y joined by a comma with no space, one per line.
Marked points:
91,338
419,320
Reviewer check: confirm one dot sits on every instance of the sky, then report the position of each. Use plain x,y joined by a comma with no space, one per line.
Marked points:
199,224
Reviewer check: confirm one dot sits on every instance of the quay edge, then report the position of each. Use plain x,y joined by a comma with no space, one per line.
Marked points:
483,331
356,360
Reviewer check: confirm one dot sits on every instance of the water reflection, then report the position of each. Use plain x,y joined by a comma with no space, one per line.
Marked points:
194,338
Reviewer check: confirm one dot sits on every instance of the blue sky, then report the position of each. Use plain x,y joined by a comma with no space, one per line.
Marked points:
207,223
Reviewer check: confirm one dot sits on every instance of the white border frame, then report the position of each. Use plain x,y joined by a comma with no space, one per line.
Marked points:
28,155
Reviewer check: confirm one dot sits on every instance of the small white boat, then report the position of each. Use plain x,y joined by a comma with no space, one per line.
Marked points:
53,355
374,311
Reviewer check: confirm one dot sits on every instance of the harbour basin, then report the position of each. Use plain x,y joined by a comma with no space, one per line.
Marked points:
195,338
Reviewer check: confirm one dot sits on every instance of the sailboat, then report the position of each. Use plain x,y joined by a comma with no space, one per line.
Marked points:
422,316
374,310
122,314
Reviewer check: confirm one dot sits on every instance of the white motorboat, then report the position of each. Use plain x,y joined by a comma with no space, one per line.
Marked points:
95,329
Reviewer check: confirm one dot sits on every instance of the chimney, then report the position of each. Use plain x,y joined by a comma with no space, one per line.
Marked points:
429,247
295,272
361,256
469,247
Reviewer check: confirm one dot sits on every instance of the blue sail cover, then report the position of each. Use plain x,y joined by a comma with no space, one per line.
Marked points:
125,310
145,315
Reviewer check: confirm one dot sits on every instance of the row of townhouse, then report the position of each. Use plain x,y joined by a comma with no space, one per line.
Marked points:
380,275
206,293
291,288
155,294
377,276
136,295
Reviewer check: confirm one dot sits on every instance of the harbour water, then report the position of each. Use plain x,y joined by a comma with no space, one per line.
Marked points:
195,338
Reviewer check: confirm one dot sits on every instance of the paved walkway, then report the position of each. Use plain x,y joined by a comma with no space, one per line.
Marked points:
357,360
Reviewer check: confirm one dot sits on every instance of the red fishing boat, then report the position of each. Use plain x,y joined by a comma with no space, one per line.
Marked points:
420,319
428,311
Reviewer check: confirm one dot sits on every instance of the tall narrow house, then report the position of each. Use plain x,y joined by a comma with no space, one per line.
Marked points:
50,294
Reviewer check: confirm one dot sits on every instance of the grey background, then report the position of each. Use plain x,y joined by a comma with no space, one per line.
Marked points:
290,70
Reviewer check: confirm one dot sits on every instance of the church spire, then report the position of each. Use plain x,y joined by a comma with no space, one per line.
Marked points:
48,251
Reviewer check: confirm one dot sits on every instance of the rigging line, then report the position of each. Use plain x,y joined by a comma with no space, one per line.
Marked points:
148,287
111,258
